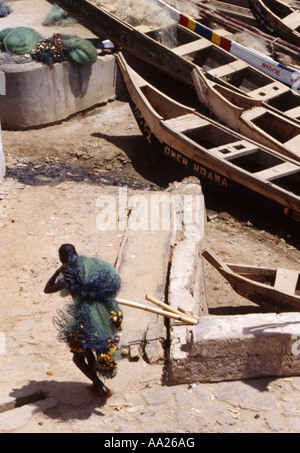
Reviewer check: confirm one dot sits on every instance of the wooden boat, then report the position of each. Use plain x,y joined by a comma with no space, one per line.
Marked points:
278,17
217,155
277,289
253,57
211,53
234,25
189,52
248,116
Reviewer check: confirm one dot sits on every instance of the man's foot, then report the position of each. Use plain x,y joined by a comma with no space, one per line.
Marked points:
102,391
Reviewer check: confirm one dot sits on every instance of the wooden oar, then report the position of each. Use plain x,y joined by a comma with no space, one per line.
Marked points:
167,314
167,307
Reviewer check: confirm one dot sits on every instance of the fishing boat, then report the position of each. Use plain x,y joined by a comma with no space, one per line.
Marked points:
248,116
251,56
189,51
203,47
275,289
279,17
214,153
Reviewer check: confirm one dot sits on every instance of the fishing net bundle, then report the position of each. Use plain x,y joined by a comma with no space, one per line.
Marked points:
61,47
57,16
19,40
5,9
57,48
94,319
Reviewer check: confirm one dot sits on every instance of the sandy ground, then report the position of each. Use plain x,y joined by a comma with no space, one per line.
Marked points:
54,177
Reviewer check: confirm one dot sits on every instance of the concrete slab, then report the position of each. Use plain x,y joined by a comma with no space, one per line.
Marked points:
15,419
238,347
143,266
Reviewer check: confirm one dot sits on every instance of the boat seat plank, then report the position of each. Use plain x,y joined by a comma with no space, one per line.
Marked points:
293,144
292,20
255,112
278,171
269,91
142,28
227,69
186,122
235,150
194,46
293,113
286,280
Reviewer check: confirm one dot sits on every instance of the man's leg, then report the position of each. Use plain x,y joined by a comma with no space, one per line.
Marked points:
88,369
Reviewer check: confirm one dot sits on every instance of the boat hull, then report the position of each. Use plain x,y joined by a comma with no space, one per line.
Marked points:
209,177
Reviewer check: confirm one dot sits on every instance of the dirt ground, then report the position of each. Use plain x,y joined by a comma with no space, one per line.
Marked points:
54,176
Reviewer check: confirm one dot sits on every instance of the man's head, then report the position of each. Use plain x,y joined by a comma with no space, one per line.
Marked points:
66,251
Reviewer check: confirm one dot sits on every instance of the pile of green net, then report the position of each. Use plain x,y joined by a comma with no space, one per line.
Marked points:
5,9
19,40
58,48
57,16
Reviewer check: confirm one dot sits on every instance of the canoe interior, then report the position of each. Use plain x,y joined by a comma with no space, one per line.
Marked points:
209,57
261,275
278,8
273,126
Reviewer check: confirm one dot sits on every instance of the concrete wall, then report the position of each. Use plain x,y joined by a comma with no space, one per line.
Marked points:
37,95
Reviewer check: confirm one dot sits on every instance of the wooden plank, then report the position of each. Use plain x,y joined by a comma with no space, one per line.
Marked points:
186,122
227,69
278,171
270,91
292,20
293,113
236,150
194,46
254,113
293,143
286,280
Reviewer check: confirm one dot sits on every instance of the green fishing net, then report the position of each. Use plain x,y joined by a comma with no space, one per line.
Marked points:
57,16
58,48
5,9
19,40
80,51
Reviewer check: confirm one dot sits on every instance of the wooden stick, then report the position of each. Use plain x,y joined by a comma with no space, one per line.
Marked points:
165,313
167,307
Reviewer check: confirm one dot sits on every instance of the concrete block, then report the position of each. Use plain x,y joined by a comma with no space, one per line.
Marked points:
15,419
37,95
186,287
238,347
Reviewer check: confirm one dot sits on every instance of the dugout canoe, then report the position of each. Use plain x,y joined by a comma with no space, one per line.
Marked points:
249,116
258,60
278,17
194,44
219,156
276,289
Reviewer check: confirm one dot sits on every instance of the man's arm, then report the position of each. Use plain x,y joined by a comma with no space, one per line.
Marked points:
51,285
